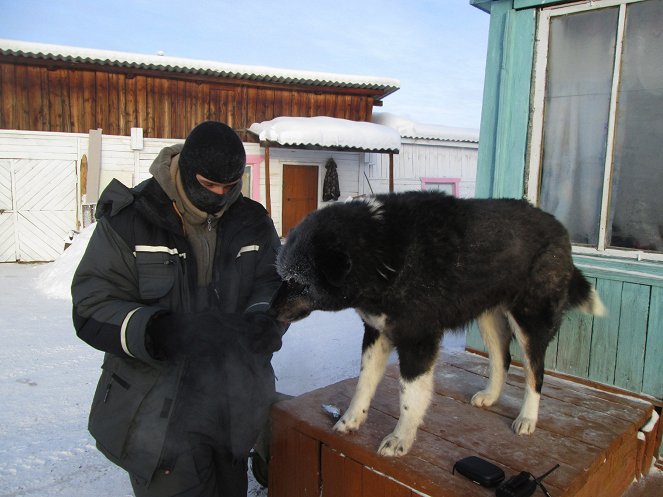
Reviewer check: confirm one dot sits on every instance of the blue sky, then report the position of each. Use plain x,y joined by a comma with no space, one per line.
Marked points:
436,48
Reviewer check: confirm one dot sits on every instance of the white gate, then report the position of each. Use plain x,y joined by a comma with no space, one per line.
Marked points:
37,208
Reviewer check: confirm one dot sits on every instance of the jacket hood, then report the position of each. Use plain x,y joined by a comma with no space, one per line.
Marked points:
160,169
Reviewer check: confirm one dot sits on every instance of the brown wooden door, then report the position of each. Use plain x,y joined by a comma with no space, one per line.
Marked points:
300,194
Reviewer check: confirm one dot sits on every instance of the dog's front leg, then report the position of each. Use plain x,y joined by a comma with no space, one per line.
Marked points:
375,352
417,377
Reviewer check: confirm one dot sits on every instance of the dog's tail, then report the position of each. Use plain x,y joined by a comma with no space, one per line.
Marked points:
583,296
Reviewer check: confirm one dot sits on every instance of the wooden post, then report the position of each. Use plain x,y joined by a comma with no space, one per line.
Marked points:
391,173
268,196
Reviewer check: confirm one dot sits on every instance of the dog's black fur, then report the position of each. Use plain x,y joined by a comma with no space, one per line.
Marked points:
418,263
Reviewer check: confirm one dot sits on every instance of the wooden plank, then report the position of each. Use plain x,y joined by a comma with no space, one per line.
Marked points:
266,108
101,100
113,111
178,123
149,129
89,101
560,416
330,105
376,485
632,336
490,436
615,405
653,371
33,81
614,474
341,476
473,338
8,92
251,105
22,105
550,361
574,341
161,108
605,333
141,102
76,109
122,127
295,463
200,103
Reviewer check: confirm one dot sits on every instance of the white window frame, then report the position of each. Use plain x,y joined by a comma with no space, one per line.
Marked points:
537,114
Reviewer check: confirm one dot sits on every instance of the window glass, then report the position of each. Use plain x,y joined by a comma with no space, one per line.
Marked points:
447,188
636,202
576,109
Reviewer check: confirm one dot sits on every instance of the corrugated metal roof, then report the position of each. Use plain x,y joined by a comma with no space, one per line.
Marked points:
194,66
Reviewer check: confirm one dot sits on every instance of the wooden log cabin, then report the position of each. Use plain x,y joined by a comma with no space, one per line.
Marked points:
73,90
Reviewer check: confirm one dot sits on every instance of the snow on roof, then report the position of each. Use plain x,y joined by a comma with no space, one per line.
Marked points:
411,129
328,132
194,66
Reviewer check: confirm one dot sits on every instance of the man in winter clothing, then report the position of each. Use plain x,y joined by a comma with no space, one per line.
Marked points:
175,286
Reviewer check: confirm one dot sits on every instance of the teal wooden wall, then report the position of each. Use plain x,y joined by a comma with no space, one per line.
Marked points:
624,349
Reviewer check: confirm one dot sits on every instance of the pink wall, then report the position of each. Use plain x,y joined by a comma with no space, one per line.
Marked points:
254,161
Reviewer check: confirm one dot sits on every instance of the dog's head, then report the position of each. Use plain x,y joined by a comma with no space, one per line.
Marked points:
318,261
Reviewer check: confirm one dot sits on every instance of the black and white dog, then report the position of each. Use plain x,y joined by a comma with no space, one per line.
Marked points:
418,263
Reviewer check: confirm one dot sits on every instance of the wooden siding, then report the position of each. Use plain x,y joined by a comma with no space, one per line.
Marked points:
71,100
505,112
424,159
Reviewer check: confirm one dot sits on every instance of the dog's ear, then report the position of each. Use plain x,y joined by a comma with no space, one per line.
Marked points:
335,265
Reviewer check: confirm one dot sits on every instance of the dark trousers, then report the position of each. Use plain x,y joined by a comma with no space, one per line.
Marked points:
204,472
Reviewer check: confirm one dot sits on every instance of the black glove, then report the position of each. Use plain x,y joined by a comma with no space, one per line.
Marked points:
263,332
170,334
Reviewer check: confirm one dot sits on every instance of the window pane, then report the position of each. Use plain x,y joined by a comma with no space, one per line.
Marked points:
577,103
447,188
636,206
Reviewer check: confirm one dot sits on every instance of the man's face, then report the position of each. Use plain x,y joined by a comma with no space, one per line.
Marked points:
214,187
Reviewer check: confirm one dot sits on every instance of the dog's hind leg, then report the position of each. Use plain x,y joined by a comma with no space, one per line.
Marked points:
496,334
533,365
417,365
375,352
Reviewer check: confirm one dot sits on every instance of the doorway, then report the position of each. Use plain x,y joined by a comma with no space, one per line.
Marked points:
300,194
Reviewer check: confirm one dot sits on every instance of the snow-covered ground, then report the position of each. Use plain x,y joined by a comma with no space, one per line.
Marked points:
48,376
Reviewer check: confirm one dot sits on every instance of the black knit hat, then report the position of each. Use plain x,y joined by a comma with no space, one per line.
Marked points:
214,151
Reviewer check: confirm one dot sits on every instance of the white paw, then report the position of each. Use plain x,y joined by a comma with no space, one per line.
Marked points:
524,426
484,398
350,421
394,446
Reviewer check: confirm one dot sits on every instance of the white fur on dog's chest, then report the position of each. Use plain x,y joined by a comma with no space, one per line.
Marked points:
379,321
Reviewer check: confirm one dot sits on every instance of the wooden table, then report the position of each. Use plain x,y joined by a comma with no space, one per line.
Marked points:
591,433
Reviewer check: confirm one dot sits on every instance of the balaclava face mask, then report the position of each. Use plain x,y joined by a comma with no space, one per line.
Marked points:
214,151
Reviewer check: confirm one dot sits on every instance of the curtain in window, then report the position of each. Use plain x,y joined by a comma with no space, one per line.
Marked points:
577,103
636,202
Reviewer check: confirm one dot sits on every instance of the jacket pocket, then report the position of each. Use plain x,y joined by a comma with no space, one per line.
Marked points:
156,273
114,407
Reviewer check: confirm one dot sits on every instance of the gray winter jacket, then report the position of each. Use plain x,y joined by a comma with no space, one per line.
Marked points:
138,263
